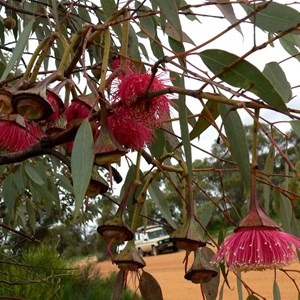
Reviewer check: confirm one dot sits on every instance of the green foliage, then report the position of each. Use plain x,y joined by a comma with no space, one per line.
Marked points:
68,48
39,273
35,274
88,287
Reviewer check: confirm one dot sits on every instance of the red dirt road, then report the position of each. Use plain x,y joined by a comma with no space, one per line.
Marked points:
168,269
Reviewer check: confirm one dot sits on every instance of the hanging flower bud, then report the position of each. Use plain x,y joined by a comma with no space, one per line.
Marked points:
6,94
200,271
97,185
32,103
81,107
115,231
56,104
129,259
189,237
5,101
107,149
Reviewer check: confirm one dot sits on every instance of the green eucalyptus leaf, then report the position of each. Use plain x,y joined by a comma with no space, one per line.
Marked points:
276,291
268,170
182,110
33,174
49,198
275,17
109,7
19,48
208,114
177,47
205,212
9,193
31,213
172,33
284,209
133,44
159,199
20,179
296,127
238,144
228,13
84,14
157,147
65,182
147,23
243,75
291,43
82,159
169,11
277,77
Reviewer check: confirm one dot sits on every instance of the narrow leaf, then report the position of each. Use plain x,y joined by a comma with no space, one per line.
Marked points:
9,193
65,182
296,127
172,32
82,162
33,174
19,48
277,77
290,43
243,75
238,145
149,287
159,198
168,9
204,120
268,170
274,17
284,208
184,128
276,291
31,213
228,13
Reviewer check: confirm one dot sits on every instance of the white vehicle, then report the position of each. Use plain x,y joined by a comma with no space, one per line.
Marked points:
152,240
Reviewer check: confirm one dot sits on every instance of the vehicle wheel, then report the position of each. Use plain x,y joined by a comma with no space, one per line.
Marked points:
141,252
154,251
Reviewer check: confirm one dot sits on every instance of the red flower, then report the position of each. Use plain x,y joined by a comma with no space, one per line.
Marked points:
116,63
57,105
129,129
257,243
258,248
15,137
134,84
134,119
77,110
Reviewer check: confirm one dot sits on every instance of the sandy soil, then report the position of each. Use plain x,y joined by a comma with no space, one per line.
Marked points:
168,269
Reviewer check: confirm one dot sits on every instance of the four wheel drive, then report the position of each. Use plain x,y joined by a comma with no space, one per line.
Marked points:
153,240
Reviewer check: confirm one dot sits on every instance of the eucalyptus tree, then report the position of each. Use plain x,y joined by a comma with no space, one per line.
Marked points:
115,89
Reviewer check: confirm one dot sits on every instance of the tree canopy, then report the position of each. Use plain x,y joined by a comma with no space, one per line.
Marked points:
99,95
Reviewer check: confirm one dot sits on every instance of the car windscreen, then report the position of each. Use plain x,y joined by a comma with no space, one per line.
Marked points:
156,234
